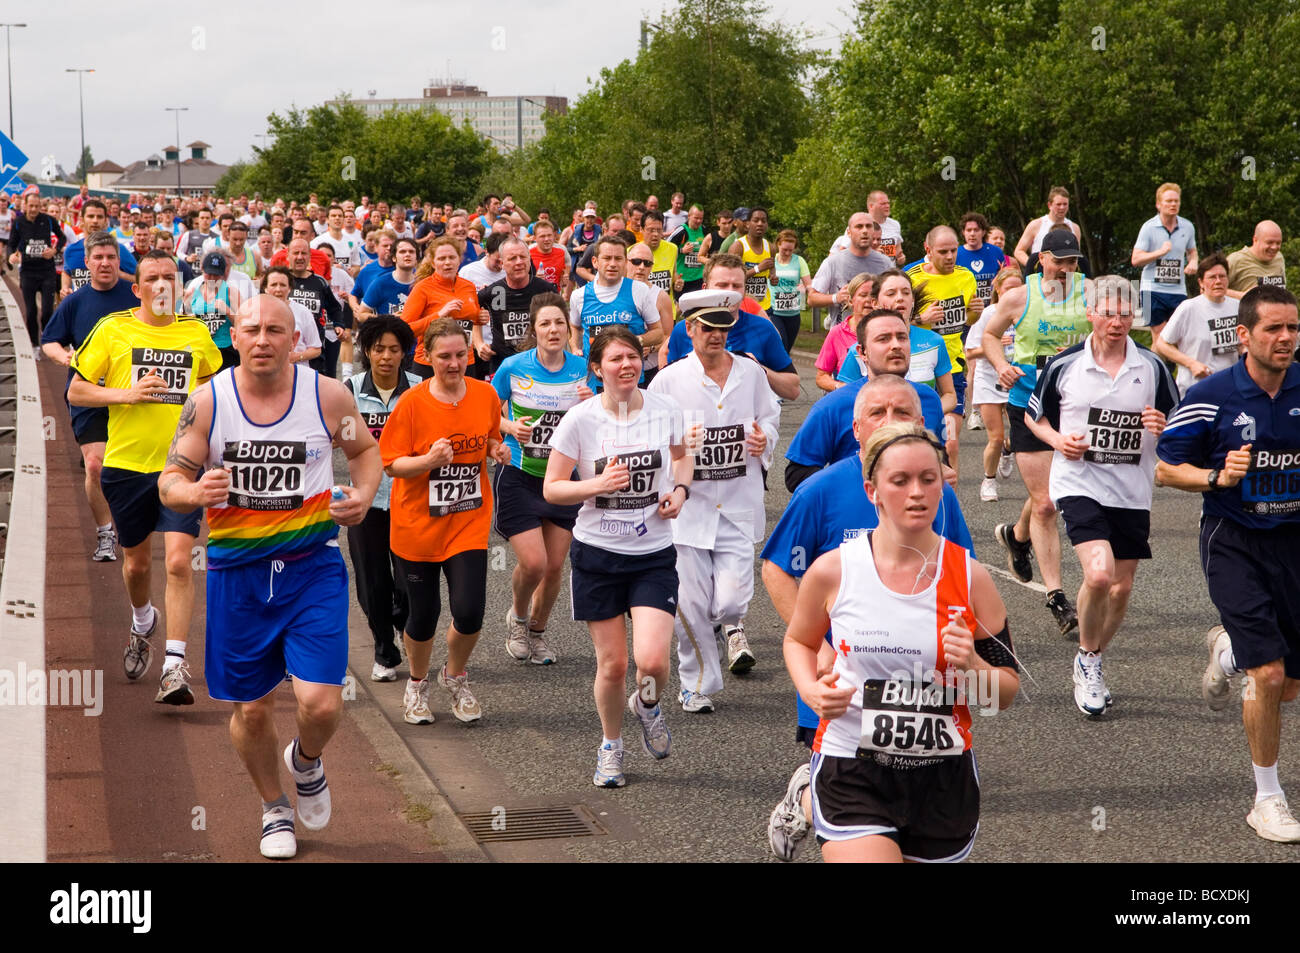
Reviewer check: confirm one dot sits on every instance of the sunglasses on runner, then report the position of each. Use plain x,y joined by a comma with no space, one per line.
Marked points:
642,262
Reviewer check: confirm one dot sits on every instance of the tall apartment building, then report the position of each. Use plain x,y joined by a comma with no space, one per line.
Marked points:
506,121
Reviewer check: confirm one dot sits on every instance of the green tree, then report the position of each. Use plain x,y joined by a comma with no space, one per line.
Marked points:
708,109
83,165
950,111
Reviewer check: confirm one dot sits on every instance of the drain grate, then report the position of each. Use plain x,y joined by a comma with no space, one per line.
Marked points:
503,824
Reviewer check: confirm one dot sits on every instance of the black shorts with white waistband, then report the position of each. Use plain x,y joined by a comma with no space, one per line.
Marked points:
605,584
931,809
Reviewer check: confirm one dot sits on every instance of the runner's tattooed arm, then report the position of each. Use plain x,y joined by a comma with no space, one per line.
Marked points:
180,487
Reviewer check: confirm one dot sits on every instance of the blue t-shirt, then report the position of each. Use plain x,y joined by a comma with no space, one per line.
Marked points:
831,507
930,359
1165,275
826,434
366,275
74,262
1226,411
983,264
752,334
530,390
74,319
385,294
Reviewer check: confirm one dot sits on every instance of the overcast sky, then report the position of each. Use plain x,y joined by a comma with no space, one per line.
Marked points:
227,61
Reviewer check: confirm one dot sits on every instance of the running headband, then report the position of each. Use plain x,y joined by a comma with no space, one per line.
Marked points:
899,439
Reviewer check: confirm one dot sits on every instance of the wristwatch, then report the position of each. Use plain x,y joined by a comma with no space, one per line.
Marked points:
1213,479
684,487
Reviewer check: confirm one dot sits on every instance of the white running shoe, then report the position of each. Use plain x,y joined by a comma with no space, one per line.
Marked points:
415,703
1006,465
379,672
105,546
787,826
1089,686
989,490
517,637
463,703
1216,686
974,422
539,652
609,767
739,658
1271,818
655,736
313,790
694,701
278,840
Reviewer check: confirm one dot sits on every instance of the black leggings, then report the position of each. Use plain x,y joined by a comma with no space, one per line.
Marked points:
788,325
382,602
466,589
31,285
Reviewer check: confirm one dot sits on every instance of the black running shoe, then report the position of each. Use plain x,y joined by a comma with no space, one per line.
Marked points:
1063,612
1017,552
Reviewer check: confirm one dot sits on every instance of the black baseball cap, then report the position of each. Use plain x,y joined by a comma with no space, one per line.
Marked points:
214,263
1061,243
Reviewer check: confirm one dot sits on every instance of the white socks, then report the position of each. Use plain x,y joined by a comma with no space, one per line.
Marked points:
141,618
1266,783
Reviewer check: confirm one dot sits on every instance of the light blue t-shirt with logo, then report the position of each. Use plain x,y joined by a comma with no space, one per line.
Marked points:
530,390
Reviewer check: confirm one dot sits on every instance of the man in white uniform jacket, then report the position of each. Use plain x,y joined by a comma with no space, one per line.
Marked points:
731,417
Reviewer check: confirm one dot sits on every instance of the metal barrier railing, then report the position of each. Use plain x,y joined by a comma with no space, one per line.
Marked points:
22,599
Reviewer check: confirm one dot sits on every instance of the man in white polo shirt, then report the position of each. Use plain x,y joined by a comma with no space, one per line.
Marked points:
1101,405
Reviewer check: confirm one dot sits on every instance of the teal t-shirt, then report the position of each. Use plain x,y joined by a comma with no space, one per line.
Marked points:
530,390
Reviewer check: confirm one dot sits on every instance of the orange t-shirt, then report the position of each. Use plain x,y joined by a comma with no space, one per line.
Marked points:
427,298
449,509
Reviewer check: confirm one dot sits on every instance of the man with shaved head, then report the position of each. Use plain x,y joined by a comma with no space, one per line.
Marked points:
1259,263
314,293
829,286
255,434
946,303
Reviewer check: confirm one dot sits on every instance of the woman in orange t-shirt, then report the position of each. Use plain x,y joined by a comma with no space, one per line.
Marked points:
435,446
443,294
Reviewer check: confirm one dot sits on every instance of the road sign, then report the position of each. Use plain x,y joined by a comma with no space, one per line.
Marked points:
14,186
11,158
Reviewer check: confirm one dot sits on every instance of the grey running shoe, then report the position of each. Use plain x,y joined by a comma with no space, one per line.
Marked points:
139,653
1215,684
655,736
463,703
105,546
787,826
539,652
739,658
517,637
174,687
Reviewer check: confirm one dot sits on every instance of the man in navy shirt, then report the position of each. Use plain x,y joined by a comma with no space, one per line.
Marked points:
829,508
826,435
1236,439
753,334
70,325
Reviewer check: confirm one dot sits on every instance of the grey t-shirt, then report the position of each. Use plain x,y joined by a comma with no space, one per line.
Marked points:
841,268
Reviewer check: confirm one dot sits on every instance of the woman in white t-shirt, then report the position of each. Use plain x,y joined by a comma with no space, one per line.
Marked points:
633,475
1201,335
988,396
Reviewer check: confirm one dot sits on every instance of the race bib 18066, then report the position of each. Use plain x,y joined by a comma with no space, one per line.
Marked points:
1272,485
903,717
722,455
455,488
176,368
266,474
643,471
1114,436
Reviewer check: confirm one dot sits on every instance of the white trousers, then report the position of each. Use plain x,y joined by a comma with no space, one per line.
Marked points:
713,588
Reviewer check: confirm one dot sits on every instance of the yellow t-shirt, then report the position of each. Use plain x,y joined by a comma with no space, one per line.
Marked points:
121,349
953,293
664,269
756,286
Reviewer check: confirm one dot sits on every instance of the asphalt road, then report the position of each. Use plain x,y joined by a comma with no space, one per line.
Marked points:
1159,778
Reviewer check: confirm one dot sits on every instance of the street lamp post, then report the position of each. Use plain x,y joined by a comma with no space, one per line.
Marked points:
9,57
81,160
177,110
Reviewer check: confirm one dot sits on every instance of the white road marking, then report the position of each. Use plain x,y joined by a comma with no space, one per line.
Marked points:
999,571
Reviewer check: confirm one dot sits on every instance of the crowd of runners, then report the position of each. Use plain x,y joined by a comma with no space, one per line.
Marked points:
606,390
